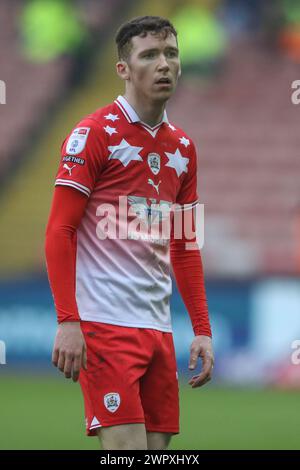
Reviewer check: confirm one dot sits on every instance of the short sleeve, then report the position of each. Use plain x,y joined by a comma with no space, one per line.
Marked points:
187,195
83,157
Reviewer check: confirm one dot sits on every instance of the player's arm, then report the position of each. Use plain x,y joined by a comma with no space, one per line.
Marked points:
68,206
188,272
82,160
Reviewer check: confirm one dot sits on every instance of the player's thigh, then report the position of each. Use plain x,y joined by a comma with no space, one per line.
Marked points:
123,437
158,440
159,389
110,385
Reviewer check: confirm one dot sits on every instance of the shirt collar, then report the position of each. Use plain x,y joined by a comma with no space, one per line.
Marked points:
131,114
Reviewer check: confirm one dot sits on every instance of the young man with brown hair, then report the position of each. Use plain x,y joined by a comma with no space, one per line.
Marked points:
110,281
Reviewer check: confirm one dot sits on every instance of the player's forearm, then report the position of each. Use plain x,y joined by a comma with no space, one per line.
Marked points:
60,256
188,272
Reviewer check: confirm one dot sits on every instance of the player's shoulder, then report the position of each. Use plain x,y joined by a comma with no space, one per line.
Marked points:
100,117
179,135
90,128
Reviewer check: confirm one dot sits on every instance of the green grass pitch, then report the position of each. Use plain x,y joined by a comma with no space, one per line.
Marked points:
47,413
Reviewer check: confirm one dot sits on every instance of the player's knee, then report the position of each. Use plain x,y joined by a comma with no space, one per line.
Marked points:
123,437
158,440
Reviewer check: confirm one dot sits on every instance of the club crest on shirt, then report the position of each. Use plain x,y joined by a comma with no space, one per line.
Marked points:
112,401
154,162
77,140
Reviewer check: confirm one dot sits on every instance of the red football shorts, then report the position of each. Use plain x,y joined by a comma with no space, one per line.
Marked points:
131,377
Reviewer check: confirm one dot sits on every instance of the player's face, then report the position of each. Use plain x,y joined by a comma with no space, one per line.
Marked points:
153,58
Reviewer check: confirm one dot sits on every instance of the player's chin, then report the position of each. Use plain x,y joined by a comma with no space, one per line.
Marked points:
164,89
163,92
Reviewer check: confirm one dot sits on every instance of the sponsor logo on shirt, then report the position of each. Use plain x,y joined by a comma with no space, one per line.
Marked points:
155,186
82,131
77,140
69,169
70,158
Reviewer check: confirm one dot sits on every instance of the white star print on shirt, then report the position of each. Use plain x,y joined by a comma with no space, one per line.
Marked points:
110,130
184,141
125,152
112,117
178,162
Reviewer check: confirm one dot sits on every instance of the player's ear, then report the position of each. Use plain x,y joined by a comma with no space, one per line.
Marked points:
179,72
122,69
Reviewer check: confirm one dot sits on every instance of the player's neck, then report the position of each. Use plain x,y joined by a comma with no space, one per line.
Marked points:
150,113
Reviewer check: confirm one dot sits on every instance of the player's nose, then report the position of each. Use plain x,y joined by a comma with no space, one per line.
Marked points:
163,63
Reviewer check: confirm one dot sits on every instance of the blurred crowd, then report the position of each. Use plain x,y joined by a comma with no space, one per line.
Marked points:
46,45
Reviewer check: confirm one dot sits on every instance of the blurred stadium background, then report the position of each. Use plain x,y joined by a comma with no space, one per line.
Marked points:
239,59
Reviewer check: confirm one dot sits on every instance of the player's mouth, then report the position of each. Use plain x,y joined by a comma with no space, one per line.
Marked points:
164,82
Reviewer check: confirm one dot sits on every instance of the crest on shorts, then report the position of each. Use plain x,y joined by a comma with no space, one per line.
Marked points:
112,401
154,162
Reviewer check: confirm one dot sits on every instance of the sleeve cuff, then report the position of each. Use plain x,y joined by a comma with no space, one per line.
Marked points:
73,184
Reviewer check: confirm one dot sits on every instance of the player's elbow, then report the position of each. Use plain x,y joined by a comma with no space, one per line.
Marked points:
57,239
183,245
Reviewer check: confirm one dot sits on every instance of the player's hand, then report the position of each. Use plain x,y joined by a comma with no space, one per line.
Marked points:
69,350
201,347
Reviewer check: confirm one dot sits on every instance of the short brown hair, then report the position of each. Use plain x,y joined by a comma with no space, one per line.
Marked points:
140,26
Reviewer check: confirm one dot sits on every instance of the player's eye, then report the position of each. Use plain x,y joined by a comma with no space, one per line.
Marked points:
150,55
172,54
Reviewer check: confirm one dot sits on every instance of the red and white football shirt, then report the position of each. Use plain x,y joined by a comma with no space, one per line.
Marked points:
125,166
